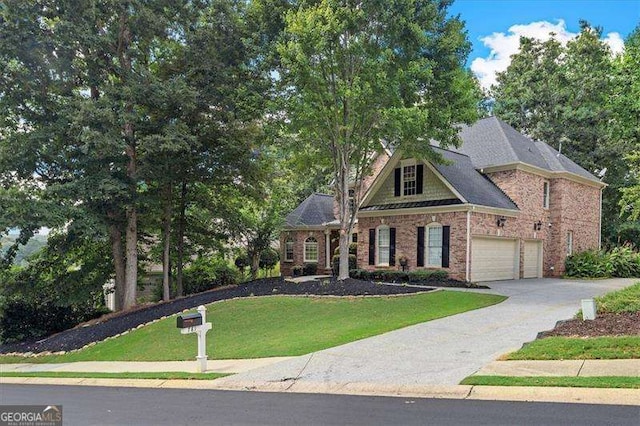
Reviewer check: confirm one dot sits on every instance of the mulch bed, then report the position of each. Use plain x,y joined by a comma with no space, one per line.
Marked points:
114,324
605,324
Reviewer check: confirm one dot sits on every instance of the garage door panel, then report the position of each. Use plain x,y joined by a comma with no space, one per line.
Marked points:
494,259
532,259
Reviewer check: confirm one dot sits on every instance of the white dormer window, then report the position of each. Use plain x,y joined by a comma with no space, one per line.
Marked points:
545,195
409,178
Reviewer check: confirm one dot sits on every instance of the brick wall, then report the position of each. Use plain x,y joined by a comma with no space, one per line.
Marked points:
406,239
299,238
572,207
578,212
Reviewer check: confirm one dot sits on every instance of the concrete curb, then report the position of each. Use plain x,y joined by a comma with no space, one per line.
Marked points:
489,393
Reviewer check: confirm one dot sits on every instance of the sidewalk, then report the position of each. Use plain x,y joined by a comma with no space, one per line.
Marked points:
581,368
228,366
566,368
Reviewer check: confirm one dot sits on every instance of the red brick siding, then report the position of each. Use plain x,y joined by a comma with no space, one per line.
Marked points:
406,239
298,250
572,207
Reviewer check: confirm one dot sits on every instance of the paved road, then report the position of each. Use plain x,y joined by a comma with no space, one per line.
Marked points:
444,351
131,406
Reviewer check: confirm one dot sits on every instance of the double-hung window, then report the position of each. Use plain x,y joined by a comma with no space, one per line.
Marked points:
288,250
311,250
545,195
434,246
409,179
384,242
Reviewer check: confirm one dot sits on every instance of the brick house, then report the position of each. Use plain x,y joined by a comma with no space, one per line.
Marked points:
502,207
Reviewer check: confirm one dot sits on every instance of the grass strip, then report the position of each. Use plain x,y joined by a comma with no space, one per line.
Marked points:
276,326
624,300
550,348
163,376
573,382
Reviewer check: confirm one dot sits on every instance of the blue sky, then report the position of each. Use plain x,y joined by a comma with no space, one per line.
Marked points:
494,26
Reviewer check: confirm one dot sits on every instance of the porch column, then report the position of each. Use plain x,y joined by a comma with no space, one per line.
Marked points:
327,249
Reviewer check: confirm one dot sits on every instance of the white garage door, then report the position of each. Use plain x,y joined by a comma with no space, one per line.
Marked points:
532,259
494,259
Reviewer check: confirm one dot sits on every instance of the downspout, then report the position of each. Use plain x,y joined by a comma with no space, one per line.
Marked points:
467,275
327,249
600,222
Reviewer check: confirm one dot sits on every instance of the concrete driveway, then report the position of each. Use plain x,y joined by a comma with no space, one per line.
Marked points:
444,351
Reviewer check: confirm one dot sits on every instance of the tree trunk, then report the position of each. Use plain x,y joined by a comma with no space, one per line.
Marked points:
180,238
115,236
345,219
255,263
131,235
131,255
166,235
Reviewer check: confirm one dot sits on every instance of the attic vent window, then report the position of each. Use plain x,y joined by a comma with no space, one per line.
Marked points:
409,179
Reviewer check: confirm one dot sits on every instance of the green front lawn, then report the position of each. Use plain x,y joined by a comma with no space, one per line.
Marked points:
574,382
277,326
579,348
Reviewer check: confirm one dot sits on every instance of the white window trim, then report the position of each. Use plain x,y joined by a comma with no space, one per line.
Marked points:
378,246
546,190
403,164
286,244
426,245
304,250
569,243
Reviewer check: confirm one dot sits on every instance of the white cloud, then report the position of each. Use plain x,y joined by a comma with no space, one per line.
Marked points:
504,45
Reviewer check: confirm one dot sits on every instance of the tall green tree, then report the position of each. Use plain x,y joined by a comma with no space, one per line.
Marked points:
357,73
75,102
625,106
562,95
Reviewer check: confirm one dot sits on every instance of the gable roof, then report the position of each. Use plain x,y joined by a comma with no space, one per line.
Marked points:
474,186
315,210
460,176
492,142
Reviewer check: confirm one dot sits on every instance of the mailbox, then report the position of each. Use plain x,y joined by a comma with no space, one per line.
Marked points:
189,320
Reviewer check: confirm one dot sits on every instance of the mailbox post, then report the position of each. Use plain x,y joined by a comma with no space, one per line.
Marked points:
197,323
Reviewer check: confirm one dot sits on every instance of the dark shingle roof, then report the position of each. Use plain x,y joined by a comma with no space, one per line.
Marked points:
315,210
492,142
474,187
413,204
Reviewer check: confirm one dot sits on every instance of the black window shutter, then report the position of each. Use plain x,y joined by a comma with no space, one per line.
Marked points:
446,231
397,181
392,246
419,178
372,246
420,251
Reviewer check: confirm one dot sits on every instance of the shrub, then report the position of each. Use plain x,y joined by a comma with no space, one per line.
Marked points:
26,320
241,262
426,275
419,276
204,274
360,274
589,264
297,270
625,262
310,269
269,258
620,262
